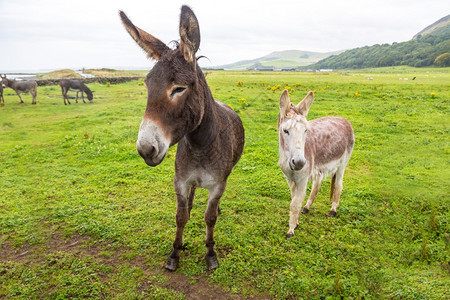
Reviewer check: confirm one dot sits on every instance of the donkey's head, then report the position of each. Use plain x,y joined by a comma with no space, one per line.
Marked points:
90,95
293,127
174,105
5,81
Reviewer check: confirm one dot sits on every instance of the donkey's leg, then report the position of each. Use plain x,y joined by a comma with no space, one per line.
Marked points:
191,198
210,218
82,96
76,98
65,91
20,97
314,190
34,94
181,190
333,180
64,96
336,192
298,192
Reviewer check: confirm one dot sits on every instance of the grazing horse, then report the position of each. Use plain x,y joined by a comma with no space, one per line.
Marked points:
21,86
311,150
75,85
181,109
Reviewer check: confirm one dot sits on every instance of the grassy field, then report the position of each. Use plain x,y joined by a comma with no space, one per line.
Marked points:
82,216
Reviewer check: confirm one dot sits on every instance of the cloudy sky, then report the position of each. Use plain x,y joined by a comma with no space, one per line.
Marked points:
56,34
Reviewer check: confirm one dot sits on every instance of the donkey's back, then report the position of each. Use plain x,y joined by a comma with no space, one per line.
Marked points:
329,144
25,86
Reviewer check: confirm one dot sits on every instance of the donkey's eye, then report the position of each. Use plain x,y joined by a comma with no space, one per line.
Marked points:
285,131
177,90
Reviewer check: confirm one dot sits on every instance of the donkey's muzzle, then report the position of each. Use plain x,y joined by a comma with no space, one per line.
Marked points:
148,154
151,145
297,164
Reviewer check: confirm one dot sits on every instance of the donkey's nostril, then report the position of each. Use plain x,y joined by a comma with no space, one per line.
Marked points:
297,164
147,152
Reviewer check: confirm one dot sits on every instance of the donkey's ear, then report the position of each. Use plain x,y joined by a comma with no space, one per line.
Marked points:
285,103
305,104
154,47
189,33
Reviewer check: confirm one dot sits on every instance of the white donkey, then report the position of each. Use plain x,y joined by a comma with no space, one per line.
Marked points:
311,150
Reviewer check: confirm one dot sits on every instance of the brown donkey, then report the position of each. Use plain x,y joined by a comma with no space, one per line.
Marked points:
180,109
21,86
311,150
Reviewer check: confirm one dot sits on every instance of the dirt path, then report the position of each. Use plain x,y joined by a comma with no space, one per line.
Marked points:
79,245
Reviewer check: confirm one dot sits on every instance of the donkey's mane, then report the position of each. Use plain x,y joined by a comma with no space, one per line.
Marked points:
295,109
176,46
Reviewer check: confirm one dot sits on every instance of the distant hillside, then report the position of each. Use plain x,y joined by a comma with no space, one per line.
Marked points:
279,60
64,73
445,21
430,47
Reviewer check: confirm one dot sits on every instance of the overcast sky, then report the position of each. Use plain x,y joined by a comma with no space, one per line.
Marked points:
56,34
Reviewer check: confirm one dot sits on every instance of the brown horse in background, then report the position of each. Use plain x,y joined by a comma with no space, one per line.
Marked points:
180,109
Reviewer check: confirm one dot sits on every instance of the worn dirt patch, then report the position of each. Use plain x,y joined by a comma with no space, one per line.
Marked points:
82,245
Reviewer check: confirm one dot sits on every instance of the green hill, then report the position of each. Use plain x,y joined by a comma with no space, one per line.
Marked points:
445,21
279,60
430,47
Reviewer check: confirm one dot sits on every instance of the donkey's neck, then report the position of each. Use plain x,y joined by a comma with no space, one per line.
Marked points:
205,133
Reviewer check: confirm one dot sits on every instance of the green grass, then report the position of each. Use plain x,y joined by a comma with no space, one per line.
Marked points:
71,173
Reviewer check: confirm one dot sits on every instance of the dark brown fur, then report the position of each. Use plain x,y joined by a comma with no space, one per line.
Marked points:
180,109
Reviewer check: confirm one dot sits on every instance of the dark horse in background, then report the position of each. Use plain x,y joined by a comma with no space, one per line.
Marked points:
180,109
20,86
77,86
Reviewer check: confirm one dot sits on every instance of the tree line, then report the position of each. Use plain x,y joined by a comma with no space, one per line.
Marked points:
424,51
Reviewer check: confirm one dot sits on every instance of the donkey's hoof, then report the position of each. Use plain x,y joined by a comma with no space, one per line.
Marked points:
305,210
333,213
172,264
289,235
211,262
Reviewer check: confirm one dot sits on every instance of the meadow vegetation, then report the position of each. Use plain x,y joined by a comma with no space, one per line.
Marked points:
82,216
